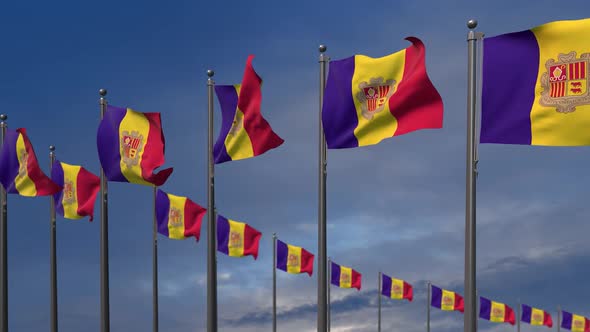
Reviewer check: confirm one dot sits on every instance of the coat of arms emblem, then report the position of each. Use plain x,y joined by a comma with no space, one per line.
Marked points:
69,192
293,260
345,278
235,239
565,83
497,313
579,324
24,160
132,146
374,95
175,217
447,300
237,124
537,318
397,290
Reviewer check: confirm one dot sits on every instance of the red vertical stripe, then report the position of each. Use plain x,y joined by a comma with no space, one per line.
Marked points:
87,187
570,71
509,315
251,241
193,218
153,152
306,262
459,305
583,69
547,321
43,184
408,292
356,280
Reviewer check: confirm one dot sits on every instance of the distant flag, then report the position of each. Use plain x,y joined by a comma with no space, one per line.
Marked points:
345,277
396,288
575,323
80,188
19,170
237,239
371,99
536,86
495,311
293,259
244,132
536,316
131,146
446,300
178,217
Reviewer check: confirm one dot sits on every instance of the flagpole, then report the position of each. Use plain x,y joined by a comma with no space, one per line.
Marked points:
379,303
470,316
3,244
155,322
211,232
52,251
274,282
104,238
322,321
518,316
329,268
558,317
428,300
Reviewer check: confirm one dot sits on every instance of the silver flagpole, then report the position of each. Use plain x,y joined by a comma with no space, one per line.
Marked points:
322,236
428,300
518,316
211,229
470,316
274,282
52,251
558,318
329,269
105,321
3,244
155,322
379,303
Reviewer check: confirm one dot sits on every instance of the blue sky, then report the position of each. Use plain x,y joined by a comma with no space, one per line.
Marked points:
397,207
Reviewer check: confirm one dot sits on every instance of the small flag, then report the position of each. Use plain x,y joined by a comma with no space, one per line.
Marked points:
244,132
19,170
446,300
178,217
535,86
371,99
345,277
131,147
536,316
575,323
80,187
396,289
293,259
237,239
495,311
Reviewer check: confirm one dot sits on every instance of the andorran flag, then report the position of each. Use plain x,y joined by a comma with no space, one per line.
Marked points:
396,289
80,187
536,86
344,277
446,300
178,217
244,132
237,239
293,259
131,147
574,323
495,311
19,170
370,99
536,316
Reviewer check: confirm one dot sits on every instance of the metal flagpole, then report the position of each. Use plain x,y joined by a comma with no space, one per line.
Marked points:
155,270
211,229
52,251
104,238
558,317
470,316
379,303
274,282
428,300
518,314
3,245
329,269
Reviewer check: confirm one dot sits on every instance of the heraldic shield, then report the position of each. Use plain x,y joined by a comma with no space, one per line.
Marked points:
374,95
565,83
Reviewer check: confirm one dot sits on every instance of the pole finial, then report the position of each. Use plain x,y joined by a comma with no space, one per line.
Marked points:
472,24
102,92
3,117
210,73
52,148
323,48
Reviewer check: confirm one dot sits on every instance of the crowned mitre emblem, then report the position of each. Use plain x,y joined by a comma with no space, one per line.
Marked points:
132,146
565,83
374,95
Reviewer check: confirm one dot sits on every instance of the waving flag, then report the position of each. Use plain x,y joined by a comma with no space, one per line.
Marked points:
178,217
237,239
80,188
293,259
396,288
446,300
345,277
495,311
536,316
575,323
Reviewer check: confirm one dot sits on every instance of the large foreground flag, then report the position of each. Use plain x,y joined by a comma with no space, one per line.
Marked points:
371,99
535,86
293,259
237,239
495,311
574,323
80,188
345,277
178,217
396,288
19,170
244,132
446,300
536,316
131,146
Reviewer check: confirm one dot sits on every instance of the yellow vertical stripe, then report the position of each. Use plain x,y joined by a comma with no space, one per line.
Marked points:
397,289
374,126
69,199
135,128
447,300
537,316
235,243
497,312
237,141
345,277
24,185
548,126
176,218
578,323
294,259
